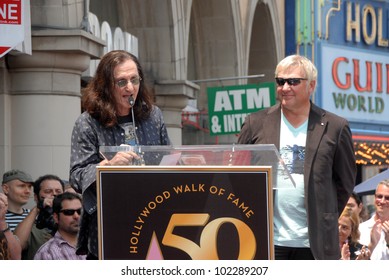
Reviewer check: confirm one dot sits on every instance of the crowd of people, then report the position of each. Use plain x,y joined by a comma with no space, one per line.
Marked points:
320,219
50,229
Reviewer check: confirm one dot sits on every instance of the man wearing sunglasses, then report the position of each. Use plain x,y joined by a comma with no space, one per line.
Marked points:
375,231
317,148
67,209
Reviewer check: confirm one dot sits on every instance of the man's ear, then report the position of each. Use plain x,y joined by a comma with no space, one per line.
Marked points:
5,189
55,217
312,87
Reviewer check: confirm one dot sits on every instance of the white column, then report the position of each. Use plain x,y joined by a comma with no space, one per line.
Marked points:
172,97
44,99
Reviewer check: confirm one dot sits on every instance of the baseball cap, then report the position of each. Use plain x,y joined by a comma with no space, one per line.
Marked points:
17,174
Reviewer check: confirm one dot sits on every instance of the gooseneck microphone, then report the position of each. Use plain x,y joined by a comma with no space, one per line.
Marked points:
141,160
132,102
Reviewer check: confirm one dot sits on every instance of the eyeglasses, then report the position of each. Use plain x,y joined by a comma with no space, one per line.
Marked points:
123,82
380,197
70,212
290,81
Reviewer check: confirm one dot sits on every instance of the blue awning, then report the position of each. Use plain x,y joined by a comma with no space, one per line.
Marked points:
369,186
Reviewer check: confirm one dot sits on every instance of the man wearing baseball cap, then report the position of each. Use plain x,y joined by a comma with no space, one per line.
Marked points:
17,186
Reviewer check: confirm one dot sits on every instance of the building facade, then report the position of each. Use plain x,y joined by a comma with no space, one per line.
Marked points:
177,42
348,41
185,47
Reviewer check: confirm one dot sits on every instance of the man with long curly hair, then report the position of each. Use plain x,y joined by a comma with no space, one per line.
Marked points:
117,88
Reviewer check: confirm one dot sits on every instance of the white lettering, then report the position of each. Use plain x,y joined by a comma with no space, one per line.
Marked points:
8,14
256,99
106,35
233,123
118,39
237,94
12,9
222,101
260,99
370,22
114,38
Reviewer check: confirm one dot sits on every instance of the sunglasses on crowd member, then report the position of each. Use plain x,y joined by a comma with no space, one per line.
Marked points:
123,82
290,81
70,212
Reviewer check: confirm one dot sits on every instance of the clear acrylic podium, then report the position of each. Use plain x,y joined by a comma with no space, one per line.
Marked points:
211,155
189,202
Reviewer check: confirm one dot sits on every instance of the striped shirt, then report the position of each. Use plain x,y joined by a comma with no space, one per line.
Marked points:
13,219
57,248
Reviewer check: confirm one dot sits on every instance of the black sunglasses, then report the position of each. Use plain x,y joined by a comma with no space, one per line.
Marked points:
70,212
290,81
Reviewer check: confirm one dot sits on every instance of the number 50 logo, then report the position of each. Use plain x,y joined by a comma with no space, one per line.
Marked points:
207,250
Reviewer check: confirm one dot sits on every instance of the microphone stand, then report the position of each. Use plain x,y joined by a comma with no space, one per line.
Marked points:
139,152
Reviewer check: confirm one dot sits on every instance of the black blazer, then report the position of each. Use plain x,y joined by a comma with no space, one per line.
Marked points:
329,169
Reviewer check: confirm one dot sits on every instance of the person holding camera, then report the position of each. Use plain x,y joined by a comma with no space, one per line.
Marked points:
38,227
67,208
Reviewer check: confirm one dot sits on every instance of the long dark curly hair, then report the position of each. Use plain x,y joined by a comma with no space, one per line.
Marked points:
98,97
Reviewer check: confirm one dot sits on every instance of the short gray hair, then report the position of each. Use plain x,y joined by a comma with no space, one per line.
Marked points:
300,61
384,182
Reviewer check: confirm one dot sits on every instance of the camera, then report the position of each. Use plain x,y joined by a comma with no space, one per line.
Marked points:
45,218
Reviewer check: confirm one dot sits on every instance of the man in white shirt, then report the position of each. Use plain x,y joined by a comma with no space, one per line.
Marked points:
375,231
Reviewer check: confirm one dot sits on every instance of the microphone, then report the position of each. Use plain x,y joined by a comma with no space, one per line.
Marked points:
131,101
141,160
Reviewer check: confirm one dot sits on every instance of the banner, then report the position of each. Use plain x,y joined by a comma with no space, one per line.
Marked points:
184,213
229,106
11,25
351,53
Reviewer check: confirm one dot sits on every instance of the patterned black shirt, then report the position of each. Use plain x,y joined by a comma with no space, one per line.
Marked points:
87,136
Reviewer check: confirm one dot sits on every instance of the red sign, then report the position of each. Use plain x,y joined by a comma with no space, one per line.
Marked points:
10,12
11,27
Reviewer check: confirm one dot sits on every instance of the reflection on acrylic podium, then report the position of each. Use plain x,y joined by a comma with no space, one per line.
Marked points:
189,202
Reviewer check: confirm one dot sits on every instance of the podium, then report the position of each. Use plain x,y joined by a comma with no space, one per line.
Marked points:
189,202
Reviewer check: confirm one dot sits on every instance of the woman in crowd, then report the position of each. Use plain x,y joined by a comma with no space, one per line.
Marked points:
349,234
